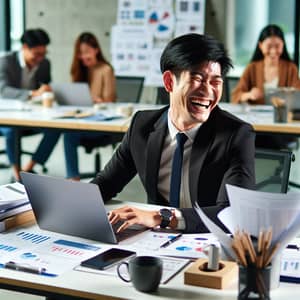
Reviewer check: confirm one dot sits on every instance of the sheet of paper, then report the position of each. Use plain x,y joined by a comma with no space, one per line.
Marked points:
224,239
12,105
290,260
254,210
11,195
190,246
149,241
51,251
171,266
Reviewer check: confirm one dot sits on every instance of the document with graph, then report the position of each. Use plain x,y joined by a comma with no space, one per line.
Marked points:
42,250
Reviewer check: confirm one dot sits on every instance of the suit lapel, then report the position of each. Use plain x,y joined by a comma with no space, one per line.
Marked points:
154,148
200,148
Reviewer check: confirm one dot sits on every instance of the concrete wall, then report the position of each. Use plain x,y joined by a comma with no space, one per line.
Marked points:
64,20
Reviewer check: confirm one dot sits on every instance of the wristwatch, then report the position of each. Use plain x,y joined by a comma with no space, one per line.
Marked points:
166,216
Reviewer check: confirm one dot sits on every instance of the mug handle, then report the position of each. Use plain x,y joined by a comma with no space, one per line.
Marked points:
119,273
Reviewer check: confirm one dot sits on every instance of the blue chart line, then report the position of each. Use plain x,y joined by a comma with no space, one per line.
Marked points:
77,245
32,237
7,248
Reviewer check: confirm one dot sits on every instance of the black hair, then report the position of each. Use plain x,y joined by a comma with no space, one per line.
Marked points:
269,31
190,50
35,37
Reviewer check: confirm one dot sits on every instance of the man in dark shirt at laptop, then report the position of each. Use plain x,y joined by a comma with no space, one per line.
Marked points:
217,147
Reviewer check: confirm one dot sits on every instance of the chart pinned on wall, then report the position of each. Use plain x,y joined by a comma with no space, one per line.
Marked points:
130,54
143,29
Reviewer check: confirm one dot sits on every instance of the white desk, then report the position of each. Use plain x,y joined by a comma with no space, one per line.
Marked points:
262,118
35,116
95,286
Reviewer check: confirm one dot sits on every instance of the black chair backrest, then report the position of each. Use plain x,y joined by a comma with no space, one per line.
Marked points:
230,83
162,96
129,89
272,168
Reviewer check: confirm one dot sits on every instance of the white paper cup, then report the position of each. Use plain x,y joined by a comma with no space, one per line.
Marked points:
48,99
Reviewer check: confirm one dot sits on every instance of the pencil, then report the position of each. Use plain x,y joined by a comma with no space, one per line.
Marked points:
239,255
271,254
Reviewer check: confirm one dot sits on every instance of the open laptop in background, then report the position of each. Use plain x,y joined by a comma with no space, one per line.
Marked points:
72,93
73,208
291,95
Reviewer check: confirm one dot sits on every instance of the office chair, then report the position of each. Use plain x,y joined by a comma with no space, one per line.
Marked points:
162,96
129,89
3,165
272,168
230,83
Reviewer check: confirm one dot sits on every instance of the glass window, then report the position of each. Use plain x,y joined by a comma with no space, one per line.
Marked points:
16,23
3,45
249,18
11,24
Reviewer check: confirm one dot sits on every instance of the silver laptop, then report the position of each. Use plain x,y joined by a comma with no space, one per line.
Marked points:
291,95
72,93
69,207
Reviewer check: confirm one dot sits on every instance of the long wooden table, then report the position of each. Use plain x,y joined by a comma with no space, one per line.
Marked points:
261,117
36,117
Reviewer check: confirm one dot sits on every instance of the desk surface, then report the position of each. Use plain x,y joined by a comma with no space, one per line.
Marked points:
95,286
261,117
37,116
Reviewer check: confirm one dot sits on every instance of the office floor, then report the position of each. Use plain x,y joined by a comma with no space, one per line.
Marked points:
133,192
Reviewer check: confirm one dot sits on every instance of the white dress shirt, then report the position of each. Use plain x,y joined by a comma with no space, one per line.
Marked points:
27,77
164,175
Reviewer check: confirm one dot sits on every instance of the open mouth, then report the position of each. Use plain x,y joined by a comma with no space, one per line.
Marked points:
206,104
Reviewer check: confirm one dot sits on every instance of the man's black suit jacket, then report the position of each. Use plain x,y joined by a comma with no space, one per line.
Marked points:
222,152
11,76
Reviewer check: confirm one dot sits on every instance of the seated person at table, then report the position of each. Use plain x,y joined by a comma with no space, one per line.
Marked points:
23,75
89,65
218,148
270,67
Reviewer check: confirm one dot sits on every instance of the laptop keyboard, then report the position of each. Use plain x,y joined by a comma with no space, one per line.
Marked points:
128,232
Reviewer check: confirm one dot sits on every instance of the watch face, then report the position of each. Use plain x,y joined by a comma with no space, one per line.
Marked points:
166,213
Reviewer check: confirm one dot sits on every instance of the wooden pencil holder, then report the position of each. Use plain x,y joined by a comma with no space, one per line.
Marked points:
198,274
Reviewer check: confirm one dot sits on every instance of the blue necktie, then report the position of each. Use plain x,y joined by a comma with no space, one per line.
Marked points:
176,170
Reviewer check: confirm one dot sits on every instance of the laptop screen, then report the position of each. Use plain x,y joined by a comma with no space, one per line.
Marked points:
72,93
68,207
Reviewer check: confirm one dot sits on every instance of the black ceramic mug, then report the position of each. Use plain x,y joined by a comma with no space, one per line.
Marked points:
144,272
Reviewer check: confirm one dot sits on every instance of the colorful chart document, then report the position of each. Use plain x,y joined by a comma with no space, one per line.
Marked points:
51,252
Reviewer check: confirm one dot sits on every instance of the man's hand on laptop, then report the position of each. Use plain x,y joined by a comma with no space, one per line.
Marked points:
131,215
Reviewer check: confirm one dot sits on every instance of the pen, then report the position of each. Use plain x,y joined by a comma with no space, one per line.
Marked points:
171,240
24,268
12,188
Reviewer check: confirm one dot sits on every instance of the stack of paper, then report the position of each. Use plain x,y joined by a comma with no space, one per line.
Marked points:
12,195
253,211
14,206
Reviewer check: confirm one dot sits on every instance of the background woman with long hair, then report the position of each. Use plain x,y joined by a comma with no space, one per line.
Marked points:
270,67
89,65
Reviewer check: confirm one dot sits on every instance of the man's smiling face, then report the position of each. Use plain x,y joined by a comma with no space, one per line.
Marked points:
194,94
